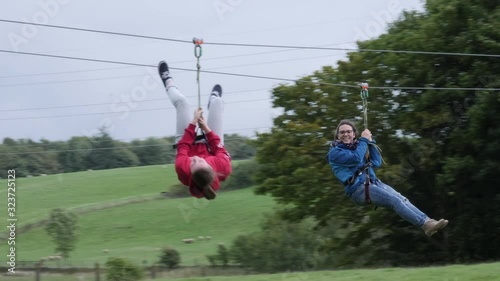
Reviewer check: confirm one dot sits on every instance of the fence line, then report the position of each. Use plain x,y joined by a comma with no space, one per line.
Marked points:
39,272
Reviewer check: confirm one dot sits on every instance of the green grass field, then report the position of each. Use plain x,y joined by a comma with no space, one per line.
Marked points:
478,272
135,231
138,231
36,196
483,272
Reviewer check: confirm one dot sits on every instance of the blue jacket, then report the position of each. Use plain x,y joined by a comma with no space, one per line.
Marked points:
345,161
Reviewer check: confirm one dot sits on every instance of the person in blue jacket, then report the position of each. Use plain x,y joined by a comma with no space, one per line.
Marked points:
347,158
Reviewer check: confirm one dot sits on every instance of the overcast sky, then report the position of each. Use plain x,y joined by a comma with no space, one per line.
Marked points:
57,98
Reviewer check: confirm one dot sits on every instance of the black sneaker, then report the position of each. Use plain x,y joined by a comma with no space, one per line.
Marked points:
216,91
164,72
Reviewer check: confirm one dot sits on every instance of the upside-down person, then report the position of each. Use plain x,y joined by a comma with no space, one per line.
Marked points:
200,164
347,158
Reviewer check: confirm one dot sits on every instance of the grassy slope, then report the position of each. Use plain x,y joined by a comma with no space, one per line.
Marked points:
490,272
36,196
483,272
135,231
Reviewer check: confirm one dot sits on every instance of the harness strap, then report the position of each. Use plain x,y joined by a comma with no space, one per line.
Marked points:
358,173
367,188
198,138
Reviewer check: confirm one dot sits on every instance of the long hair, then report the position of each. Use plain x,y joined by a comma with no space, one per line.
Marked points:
203,176
345,122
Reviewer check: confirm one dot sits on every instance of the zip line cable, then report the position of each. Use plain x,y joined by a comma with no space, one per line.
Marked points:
96,31
255,45
143,65
62,72
80,150
357,50
74,58
178,62
103,148
71,81
146,65
128,140
142,75
107,113
100,104
251,76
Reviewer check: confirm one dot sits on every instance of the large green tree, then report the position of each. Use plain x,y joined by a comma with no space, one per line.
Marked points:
439,145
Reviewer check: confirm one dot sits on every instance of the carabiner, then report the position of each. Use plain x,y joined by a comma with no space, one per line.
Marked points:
364,90
197,48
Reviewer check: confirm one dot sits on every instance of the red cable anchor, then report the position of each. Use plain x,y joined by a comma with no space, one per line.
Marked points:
364,91
197,48
197,41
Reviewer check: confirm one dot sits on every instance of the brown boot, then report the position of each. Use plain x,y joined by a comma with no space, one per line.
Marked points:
208,192
431,226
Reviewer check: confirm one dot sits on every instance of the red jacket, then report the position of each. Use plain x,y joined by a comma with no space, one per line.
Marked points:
218,158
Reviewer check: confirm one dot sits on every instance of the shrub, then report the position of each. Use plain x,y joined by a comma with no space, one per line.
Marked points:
242,175
120,269
222,257
280,246
170,258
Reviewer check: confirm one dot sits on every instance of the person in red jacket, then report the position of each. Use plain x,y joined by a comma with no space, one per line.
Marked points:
200,164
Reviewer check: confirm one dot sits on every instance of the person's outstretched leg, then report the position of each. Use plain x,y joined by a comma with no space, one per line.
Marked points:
179,101
385,196
216,112
402,198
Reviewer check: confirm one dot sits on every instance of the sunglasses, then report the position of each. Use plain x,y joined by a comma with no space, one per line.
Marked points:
345,132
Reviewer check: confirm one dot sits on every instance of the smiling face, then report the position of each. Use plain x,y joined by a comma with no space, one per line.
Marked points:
346,134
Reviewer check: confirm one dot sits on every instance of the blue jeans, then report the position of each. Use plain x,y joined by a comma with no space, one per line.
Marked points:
385,196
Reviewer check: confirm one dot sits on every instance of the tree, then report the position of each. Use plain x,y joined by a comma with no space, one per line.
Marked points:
62,227
280,246
292,163
242,175
9,142
74,157
11,160
41,161
120,269
170,258
439,145
153,151
222,257
449,129
239,147
107,153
